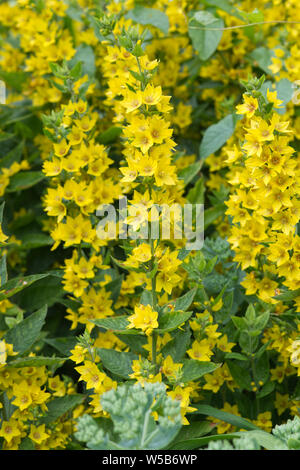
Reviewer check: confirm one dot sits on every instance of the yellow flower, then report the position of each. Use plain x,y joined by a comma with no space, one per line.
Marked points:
272,98
10,429
38,434
61,149
132,100
249,106
142,252
144,318
152,95
200,350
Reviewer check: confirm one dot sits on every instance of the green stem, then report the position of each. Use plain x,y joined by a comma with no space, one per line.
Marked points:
154,304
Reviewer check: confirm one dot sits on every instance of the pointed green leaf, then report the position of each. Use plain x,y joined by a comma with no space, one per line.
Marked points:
117,362
237,421
38,361
216,136
59,406
17,284
193,370
171,320
205,31
25,333
117,324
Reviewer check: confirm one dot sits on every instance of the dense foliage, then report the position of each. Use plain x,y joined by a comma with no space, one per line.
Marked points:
109,341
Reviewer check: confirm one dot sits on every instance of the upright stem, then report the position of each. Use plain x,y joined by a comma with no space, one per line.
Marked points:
154,304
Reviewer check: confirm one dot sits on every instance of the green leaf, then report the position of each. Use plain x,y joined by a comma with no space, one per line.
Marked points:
262,368
114,287
5,136
261,321
240,323
31,240
44,291
235,355
188,173
192,431
212,214
119,363
14,80
266,440
266,390
86,56
3,269
256,16
193,370
183,302
288,295
12,156
110,135
27,444
117,325
136,343
196,194
171,320
224,5
63,345
38,361
195,443
285,92
1,212
121,264
216,136
176,348
60,406
250,315
149,17
262,57
146,297
17,284
25,333
236,421
241,375
205,33
24,180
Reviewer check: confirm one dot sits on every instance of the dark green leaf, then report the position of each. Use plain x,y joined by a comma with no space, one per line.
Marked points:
25,333
17,284
188,173
110,135
37,361
212,214
24,180
193,370
237,421
171,320
59,406
216,136
63,345
241,375
117,325
119,363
